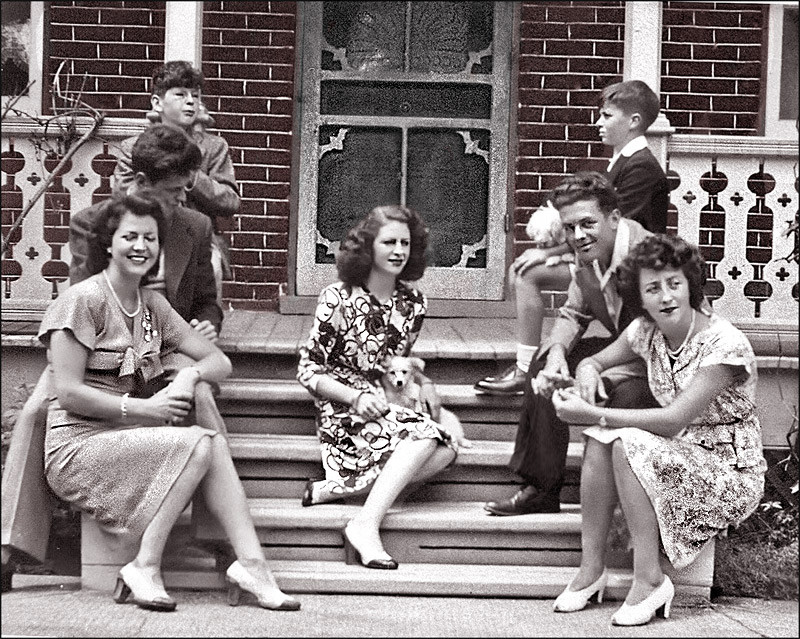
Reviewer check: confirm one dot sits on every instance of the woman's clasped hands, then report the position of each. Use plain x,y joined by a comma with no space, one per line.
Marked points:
171,405
571,407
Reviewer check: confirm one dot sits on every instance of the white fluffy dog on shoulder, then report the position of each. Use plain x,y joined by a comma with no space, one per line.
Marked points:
545,230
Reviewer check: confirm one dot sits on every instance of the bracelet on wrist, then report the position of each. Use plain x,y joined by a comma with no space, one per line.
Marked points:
123,406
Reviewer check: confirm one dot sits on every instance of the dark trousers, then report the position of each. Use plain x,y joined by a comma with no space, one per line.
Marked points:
540,449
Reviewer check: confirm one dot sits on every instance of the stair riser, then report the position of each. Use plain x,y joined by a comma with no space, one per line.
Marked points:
293,424
287,487
442,370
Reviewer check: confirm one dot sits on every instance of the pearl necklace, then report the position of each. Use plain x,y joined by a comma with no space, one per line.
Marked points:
122,308
674,354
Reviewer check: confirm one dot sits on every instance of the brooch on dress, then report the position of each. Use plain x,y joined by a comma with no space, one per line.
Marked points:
147,325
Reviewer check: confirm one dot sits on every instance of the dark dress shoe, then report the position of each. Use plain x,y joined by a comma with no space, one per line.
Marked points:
511,382
525,502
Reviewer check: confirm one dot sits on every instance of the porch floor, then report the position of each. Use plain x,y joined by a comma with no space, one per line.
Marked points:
474,338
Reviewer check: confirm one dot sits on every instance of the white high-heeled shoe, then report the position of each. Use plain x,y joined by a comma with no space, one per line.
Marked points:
574,600
641,613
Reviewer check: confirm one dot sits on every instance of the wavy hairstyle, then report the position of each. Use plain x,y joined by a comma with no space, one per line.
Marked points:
177,73
162,151
658,252
107,224
585,185
355,256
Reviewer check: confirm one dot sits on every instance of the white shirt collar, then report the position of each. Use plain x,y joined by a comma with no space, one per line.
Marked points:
620,251
637,144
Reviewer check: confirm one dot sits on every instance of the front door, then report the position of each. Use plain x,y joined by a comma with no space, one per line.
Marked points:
407,102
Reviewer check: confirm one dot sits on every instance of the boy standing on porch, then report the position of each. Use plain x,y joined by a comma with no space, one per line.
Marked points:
176,100
628,109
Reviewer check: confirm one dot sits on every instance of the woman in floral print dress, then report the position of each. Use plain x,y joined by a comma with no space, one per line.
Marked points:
361,322
683,472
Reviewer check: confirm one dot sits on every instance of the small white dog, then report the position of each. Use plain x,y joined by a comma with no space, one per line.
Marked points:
545,229
402,387
401,382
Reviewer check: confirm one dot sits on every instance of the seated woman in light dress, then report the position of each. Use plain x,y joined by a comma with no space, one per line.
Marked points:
117,450
369,445
683,472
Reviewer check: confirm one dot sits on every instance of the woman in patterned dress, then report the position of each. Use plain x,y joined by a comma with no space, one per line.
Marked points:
683,472
120,451
361,321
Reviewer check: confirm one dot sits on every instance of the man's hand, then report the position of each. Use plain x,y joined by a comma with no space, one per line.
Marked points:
555,374
529,258
205,328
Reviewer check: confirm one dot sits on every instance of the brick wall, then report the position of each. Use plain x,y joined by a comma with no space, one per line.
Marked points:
115,44
248,62
711,67
568,52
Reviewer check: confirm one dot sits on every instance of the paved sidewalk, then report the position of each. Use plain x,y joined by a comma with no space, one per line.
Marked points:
56,607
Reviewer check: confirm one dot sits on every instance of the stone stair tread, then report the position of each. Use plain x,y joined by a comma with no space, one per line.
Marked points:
451,516
305,448
435,580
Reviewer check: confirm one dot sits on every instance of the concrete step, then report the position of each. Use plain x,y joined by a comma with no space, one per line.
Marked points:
416,532
284,407
279,466
436,580
535,582
195,570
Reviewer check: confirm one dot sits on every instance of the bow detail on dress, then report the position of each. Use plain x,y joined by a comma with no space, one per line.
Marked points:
149,363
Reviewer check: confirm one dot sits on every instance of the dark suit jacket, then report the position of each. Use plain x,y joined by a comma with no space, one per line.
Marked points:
190,284
642,188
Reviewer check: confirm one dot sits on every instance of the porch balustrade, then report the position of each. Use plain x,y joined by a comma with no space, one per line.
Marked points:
733,196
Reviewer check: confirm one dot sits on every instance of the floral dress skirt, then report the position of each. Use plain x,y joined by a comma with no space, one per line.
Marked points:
695,492
354,450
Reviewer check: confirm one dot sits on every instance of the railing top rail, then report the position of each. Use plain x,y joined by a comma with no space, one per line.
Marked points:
732,145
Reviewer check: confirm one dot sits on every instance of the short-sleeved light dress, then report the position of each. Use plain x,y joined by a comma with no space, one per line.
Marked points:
118,474
352,338
710,475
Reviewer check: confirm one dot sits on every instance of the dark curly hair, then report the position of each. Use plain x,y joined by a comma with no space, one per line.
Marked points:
107,224
177,73
354,259
658,252
585,185
162,151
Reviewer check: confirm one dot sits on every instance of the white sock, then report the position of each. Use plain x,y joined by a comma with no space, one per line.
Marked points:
525,354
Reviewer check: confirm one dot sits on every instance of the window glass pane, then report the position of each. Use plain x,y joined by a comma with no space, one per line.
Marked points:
445,37
443,34
448,183
364,36
16,43
789,68
435,100
359,168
